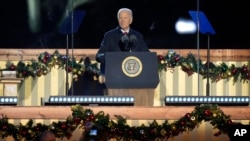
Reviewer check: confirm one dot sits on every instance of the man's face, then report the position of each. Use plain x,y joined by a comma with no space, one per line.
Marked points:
125,19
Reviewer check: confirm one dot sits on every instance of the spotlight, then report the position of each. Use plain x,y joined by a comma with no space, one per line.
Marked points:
8,100
91,100
197,100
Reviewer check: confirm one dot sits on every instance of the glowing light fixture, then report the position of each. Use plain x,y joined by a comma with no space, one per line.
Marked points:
8,100
185,26
91,100
197,100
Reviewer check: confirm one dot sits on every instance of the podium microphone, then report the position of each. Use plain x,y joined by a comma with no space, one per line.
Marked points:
125,41
132,41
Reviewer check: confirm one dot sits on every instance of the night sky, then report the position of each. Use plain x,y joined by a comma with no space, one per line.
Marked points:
155,19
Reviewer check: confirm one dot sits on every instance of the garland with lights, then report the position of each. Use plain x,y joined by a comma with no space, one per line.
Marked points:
46,61
189,64
119,129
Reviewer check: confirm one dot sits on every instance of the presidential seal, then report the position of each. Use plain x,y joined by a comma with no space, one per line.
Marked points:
132,66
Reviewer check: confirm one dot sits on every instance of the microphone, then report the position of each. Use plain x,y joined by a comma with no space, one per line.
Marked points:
132,41
125,41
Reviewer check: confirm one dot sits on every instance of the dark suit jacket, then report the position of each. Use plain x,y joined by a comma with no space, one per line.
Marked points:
112,42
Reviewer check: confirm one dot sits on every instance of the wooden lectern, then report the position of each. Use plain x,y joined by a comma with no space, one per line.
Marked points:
132,74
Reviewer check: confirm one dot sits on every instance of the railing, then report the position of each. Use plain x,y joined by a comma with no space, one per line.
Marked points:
215,54
128,112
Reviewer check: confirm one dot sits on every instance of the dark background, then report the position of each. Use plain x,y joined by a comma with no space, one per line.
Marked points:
154,18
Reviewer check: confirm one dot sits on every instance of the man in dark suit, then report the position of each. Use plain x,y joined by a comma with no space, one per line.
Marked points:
122,38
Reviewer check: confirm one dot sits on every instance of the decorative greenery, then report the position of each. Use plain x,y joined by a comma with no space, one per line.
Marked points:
190,65
46,61
106,128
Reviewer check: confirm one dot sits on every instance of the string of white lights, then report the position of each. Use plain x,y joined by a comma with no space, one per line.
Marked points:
88,100
8,100
220,100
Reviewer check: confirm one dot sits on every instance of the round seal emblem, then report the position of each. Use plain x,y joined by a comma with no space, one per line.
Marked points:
132,66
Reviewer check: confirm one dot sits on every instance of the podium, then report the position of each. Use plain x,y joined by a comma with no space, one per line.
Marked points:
132,74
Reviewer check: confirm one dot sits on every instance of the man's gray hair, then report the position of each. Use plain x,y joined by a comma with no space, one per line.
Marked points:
124,9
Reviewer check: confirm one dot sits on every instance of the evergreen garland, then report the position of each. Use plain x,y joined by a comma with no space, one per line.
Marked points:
119,129
189,65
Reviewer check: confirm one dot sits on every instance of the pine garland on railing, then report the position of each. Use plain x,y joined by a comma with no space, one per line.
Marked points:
189,64
46,61
107,129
